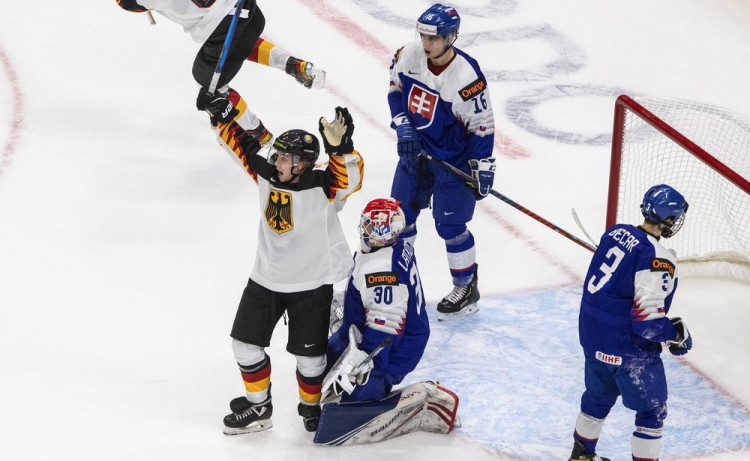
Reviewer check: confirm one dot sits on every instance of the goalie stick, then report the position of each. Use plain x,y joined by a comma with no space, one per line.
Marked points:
328,393
512,203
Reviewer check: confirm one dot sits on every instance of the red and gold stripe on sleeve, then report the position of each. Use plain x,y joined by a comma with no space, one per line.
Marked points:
346,173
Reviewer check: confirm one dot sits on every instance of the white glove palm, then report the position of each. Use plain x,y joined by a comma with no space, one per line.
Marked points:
337,135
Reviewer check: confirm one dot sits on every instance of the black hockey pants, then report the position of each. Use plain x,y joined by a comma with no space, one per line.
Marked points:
245,36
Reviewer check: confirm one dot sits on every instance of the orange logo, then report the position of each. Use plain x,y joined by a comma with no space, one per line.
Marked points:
662,265
381,278
472,89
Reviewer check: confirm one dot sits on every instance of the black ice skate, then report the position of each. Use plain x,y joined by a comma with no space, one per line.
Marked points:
460,302
305,73
310,416
248,417
579,453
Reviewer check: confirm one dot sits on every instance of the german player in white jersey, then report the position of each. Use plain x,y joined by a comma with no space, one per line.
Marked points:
301,253
440,103
208,22
627,295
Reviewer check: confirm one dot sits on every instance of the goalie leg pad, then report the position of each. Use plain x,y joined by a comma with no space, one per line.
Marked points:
422,406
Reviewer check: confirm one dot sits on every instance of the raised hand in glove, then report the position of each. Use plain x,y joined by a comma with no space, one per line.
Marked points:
484,172
217,105
683,342
337,135
408,146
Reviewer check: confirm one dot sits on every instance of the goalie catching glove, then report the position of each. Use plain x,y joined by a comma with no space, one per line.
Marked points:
683,342
351,369
483,171
337,135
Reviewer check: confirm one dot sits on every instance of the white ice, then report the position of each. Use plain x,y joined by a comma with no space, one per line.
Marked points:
127,234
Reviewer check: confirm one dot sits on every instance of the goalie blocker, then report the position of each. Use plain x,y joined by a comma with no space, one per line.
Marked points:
424,406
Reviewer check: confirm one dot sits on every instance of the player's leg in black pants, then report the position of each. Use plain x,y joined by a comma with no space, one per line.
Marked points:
245,37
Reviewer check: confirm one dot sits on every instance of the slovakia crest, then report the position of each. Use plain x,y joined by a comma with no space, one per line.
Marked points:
422,102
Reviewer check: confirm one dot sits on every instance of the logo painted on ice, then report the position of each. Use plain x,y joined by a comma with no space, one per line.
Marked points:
422,102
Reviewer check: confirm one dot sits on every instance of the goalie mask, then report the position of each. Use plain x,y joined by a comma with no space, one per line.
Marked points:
381,222
663,205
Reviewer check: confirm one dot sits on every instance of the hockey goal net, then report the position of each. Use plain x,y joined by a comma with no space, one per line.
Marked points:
701,150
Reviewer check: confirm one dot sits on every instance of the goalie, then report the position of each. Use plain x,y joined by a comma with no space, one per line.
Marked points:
381,339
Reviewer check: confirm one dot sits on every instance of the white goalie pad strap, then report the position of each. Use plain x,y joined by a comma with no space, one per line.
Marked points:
588,427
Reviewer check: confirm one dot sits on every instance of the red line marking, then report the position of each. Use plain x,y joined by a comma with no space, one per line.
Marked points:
368,42
9,149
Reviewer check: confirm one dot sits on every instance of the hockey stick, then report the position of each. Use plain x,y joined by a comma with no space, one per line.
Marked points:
580,226
510,202
225,48
329,394
150,17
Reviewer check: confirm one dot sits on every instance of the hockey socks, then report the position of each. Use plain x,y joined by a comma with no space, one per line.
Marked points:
304,72
257,379
309,395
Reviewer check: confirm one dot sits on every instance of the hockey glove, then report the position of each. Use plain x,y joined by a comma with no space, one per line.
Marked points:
408,147
217,105
337,136
355,370
131,5
483,171
683,342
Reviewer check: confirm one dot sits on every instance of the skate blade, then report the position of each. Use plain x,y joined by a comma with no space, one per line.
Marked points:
255,426
457,422
319,78
468,310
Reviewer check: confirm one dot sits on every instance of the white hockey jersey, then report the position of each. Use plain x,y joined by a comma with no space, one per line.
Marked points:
199,21
301,244
451,110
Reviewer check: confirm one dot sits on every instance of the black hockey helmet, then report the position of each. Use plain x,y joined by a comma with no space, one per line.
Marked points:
300,144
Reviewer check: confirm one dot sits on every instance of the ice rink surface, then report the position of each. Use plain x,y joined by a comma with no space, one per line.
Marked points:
127,234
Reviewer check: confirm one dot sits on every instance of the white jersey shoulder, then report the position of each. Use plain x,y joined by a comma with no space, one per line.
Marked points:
457,75
459,84
198,21
655,283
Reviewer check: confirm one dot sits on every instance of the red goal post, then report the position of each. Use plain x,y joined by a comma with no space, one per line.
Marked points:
704,152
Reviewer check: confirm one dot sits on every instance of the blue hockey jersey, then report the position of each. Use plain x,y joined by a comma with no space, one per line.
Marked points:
384,298
452,111
626,296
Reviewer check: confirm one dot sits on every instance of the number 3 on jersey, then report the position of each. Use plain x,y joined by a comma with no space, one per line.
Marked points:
608,269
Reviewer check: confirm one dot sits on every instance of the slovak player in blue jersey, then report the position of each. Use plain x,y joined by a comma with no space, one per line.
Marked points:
440,103
623,320
384,299
382,337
